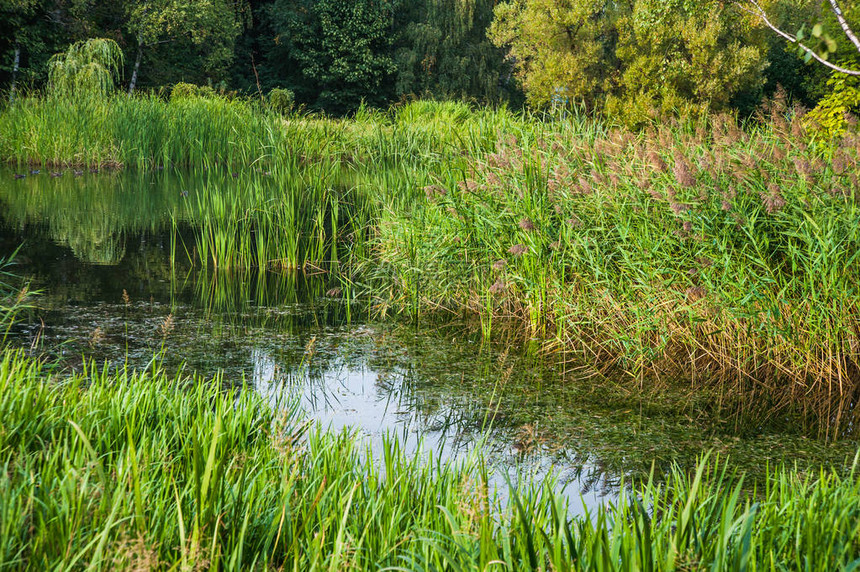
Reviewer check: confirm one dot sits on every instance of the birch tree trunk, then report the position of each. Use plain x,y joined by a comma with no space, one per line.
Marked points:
136,68
15,65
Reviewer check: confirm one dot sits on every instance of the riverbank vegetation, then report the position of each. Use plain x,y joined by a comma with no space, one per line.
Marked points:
712,251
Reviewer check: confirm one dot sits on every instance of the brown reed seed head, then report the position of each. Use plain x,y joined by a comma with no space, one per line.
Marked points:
433,191
498,287
840,162
527,225
696,293
518,249
684,171
469,186
773,200
657,163
500,264
97,336
167,326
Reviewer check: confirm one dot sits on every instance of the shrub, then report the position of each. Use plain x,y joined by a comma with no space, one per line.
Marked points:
281,100
184,90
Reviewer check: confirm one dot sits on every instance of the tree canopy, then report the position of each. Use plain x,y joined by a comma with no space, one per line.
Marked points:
632,59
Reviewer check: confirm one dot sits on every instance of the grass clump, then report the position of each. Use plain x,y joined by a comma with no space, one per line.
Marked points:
711,253
118,469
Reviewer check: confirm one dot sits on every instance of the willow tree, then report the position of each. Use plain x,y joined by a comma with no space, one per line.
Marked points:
443,50
87,68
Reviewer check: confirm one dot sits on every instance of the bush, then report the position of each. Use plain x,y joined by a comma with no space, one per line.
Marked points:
184,90
281,100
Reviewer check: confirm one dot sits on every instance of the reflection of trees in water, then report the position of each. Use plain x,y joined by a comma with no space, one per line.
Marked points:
92,214
91,243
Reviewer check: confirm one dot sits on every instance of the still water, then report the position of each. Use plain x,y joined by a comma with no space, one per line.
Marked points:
105,250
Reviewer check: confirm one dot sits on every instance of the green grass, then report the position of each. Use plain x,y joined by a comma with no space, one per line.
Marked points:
721,254
137,470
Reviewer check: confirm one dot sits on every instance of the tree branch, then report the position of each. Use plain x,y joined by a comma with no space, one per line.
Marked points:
845,27
762,15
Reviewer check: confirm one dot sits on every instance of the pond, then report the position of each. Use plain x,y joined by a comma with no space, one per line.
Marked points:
108,253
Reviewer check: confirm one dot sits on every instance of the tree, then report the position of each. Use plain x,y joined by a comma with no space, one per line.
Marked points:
677,55
559,48
33,30
632,59
87,68
443,50
211,24
334,54
821,45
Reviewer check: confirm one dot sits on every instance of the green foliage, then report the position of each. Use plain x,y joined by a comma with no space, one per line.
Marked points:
282,100
184,90
834,112
87,68
634,61
560,48
342,50
839,93
26,31
687,57
181,39
816,26
442,50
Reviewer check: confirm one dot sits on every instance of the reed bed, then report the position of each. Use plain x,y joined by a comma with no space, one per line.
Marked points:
704,252
715,252
119,469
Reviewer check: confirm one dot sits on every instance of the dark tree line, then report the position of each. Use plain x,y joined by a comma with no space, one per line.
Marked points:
332,54
634,56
